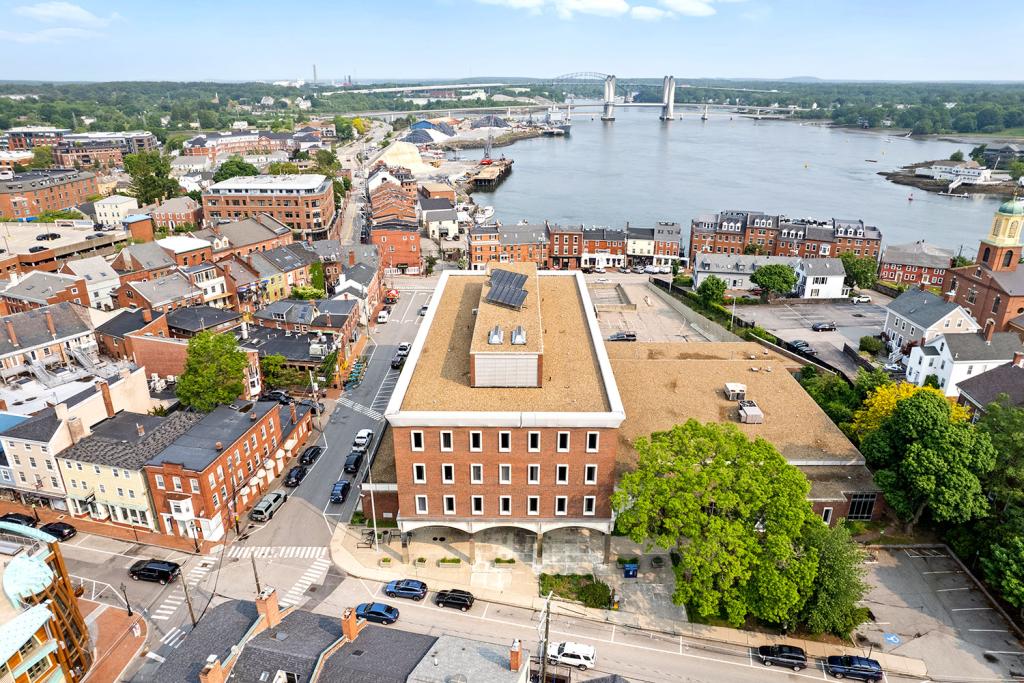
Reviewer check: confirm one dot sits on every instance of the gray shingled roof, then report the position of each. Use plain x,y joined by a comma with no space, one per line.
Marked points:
147,256
127,320
361,273
290,257
921,307
1011,281
165,289
31,328
39,427
199,318
294,646
434,203
363,660
524,234
38,286
918,253
92,269
221,629
116,442
196,448
822,267
970,346
744,264
312,312
986,387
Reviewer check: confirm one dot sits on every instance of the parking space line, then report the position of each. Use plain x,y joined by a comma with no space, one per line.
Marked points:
988,630
946,590
970,609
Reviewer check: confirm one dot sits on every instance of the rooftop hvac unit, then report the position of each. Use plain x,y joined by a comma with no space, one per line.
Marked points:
317,350
519,336
735,391
496,335
750,414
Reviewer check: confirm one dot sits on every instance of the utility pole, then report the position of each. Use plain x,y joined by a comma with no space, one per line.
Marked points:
124,592
188,602
544,642
259,590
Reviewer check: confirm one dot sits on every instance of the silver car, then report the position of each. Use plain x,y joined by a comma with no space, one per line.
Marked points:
268,505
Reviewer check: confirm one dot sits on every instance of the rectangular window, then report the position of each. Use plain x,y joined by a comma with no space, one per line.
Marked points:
478,505
589,505
862,506
593,440
216,500
563,442
195,485
32,462
505,505
159,481
533,442
476,441
120,492
504,441
533,474
177,483
826,515
421,505
54,484
561,505
504,474
562,474
590,474
533,505
447,473
417,440
419,473
476,474
449,505
446,441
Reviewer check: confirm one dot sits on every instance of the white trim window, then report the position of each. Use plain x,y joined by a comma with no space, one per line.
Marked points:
421,505
504,473
505,505
563,442
477,507
416,440
533,474
504,442
593,442
476,442
476,473
419,473
589,505
561,505
447,473
447,442
159,479
590,475
533,505
533,442
562,475
449,505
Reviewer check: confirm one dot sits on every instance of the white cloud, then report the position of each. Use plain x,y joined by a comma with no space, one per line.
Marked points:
47,35
65,13
690,8
645,13
566,9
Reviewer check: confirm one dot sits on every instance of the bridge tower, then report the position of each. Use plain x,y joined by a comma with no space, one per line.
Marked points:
668,98
609,99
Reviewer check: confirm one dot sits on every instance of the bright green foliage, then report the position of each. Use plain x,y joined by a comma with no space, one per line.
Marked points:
832,393
956,156
777,278
343,128
1004,425
733,509
234,167
276,375
151,177
429,263
1016,169
870,344
282,168
838,585
925,460
326,162
861,271
214,371
711,291
1004,569
307,292
753,249
42,157
316,276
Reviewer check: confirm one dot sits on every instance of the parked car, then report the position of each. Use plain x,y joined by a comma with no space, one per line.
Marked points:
639,270
623,336
579,655
353,462
823,327
36,249
377,612
456,598
802,346
406,588
59,530
397,362
339,492
47,236
665,270
860,299
382,317
93,236
160,571
268,505
278,395
18,518
404,348
859,668
364,437
311,455
783,655
423,309
316,405
295,476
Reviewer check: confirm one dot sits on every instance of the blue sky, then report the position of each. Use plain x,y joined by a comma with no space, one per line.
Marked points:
374,39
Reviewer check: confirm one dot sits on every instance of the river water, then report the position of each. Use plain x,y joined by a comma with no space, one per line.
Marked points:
641,170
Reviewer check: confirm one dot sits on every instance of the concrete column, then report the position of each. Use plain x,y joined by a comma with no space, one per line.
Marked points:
607,548
668,99
609,99
472,550
538,555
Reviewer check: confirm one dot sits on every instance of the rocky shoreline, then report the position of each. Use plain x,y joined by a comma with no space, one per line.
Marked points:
500,141
906,176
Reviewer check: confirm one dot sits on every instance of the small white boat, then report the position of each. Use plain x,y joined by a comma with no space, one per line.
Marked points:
483,213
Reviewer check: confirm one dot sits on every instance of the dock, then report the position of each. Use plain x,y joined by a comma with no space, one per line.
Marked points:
489,177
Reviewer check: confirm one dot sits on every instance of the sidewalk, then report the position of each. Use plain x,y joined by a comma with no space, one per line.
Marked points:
517,587
117,639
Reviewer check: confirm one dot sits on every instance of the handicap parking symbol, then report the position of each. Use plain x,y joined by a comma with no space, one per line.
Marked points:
891,638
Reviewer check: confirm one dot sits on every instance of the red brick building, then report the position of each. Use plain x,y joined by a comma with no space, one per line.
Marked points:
160,294
242,237
34,192
305,203
27,137
491,244
604,247
177,211
39,288
566,246
915,263
112,336
399,248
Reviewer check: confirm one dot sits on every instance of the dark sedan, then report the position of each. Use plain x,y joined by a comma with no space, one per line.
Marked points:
353,462
406,588
18,518
397,362
295,476
623,336
339,492
783,655
456,598
377,612
823,327
311,455
36,250
59,530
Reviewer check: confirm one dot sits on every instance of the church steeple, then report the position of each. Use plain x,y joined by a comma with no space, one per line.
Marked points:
1000,250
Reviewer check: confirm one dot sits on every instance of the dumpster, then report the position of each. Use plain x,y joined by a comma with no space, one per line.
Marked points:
630,569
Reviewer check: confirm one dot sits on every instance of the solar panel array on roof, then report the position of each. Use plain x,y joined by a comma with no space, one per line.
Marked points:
507,288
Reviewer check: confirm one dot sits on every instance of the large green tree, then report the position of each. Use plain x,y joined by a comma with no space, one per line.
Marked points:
276,374
306,292
233,167
214,371
326,162
42,157
924,460
733,509
861,271
1004,425
711,290
778,278
316,276
151,177
839,583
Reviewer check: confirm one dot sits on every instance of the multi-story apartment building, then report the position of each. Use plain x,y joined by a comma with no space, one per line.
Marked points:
208,477
100,279
738,232
566,243
80,150
915,263
399,248
111,211
604,247
305,203
9,159
27,137
507,412
42,338
39,289
494,244
243,237
162,294
29,194
177,211
237,142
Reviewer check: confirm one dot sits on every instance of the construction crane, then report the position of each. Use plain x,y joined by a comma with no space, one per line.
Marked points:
487,161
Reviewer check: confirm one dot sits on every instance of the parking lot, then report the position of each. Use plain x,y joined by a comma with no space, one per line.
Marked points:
926,606
653,320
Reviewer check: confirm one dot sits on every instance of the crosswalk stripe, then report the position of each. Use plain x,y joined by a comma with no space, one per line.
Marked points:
157,617
171,635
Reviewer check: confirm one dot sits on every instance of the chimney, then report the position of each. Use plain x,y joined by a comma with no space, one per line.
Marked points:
266,606
245,330
49,323
252,416
76,428
3,405
10,332
1018,360
295,417
108,403
61,411
990,330
147,315
140,429
219,446
212,671
350,624
515,656
351,257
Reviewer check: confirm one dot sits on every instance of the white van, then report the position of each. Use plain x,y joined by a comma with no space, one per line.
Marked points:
581,656
382,317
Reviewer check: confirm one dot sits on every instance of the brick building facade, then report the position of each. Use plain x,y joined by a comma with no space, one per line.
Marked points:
305,203
34,192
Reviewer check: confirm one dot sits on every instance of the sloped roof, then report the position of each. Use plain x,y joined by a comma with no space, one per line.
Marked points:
294,645
127,320
196,448
970,346
921,307
984,388
165,289
31,327
199,318
38,286
290,257
92,269
116,441
822,267
145,256
918,253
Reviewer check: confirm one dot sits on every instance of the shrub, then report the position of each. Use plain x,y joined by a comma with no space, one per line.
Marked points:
450,560
597,595
627,560
870,344
503,560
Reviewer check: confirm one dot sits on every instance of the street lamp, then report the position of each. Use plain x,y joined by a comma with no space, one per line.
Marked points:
124,591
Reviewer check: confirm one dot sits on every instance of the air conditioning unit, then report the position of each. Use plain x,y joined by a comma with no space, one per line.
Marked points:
735,391
750,414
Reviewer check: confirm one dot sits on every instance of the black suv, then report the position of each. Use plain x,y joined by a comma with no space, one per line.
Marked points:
397,362
860,668
456,598
353,462
311,455
160,571
295,476
783,655
18,518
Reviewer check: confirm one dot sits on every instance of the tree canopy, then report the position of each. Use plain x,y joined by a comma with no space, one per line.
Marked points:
882,401
711,290
306,292
234,167
151,177
778,278
214,371
316,276
276,375
839,583
861,271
